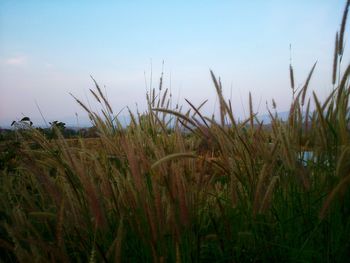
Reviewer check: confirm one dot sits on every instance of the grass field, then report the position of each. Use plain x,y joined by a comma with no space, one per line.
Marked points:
178,186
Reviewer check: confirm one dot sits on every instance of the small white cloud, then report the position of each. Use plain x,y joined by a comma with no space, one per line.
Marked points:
16,61
48,65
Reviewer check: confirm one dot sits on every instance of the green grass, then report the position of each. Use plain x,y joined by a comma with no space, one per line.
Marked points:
224,191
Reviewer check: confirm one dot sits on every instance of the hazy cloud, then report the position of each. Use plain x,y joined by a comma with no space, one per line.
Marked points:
16,61
48,65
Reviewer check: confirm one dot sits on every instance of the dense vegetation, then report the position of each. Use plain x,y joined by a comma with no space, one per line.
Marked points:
177,186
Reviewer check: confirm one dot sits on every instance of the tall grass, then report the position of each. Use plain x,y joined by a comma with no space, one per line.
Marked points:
178,186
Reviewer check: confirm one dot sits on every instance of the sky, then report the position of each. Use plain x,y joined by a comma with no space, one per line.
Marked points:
49,49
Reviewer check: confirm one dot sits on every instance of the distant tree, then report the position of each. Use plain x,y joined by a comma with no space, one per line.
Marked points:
24,123
56,128
91,132
58,124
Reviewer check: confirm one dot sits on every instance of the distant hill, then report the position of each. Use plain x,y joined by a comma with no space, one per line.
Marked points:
70,121
266,118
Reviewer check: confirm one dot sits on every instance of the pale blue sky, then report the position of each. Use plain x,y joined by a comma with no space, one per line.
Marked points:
49,48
